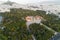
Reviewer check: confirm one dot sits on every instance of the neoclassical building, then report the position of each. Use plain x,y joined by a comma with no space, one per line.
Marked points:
33,19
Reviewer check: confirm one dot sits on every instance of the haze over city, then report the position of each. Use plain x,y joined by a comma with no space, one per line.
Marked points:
32,1
29,19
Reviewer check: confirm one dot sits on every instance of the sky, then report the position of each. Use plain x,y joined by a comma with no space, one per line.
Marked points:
28,1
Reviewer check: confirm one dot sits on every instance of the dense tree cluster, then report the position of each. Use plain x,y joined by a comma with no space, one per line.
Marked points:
15,28
40,32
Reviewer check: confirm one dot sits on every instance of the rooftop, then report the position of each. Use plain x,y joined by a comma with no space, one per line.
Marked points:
31,18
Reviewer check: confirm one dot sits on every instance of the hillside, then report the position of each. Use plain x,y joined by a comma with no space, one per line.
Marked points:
14,24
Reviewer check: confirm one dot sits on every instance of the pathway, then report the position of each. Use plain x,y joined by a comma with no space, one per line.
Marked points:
49,28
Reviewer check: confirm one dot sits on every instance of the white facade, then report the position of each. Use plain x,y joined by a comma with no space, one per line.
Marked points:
32,19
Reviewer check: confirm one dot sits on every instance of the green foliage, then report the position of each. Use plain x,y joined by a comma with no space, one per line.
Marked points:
40,32
16,29
2,37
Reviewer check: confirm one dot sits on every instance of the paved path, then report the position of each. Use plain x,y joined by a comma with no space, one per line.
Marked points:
49,28
33,37
29,31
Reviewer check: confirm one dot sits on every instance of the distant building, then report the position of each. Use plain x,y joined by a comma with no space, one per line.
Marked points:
29,18
34,19
4,10
37,19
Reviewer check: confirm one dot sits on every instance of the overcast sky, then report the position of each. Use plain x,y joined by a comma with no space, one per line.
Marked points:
28,1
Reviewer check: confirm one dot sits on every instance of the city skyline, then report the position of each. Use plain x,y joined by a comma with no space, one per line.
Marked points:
27,1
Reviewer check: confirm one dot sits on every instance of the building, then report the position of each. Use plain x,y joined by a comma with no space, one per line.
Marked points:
33,19
29,18
37,19
4,9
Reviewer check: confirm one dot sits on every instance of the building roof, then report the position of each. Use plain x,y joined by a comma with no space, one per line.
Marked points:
32,18
38,17
29,18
